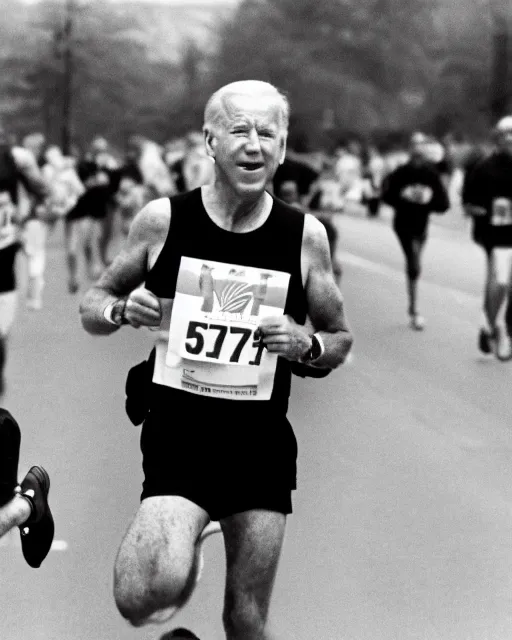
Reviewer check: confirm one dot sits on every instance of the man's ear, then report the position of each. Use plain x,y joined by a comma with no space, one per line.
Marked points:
283,149
210,142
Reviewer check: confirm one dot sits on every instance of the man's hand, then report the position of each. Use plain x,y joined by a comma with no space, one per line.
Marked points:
143,309
283,336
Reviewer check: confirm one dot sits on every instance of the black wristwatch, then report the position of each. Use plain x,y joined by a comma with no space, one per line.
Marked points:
315,350
114,312
118,312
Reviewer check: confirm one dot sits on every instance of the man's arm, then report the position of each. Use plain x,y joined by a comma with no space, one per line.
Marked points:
389,191
127,272
325,300
283,336
30,174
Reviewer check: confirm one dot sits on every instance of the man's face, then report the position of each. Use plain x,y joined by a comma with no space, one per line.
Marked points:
99,145
248,143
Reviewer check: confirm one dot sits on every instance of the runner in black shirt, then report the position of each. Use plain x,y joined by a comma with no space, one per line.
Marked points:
254,269
414,190
487,196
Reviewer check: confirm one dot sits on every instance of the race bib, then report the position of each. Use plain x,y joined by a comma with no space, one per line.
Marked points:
501,212
417,194
210,344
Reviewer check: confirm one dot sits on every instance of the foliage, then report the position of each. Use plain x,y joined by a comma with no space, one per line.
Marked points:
118,88
349,67
370,64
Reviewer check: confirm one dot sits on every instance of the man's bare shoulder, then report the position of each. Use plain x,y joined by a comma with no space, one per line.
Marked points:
315,235
151,224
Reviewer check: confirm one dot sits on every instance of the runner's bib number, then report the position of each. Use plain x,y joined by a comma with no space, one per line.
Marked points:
206,342
501,215
222,343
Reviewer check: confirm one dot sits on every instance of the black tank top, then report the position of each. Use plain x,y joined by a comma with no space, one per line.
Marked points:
276,245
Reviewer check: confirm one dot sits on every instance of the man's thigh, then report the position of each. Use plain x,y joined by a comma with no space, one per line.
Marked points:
253,541
501,265
8,306
159,544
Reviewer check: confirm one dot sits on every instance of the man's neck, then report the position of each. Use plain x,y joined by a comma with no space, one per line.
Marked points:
234,213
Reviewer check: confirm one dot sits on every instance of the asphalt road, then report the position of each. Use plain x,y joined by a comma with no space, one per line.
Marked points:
403,520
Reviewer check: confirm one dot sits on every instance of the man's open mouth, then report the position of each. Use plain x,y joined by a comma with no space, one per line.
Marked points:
251,166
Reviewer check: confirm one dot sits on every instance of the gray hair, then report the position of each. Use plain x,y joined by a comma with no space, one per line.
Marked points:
215,108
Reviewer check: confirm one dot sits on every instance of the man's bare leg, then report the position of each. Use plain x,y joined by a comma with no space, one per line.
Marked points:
95,264
72,240
14,514
497,286
413,275
155,569
23,505
253,541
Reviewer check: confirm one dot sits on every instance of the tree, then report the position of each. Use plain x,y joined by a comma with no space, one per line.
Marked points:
354,59
116,88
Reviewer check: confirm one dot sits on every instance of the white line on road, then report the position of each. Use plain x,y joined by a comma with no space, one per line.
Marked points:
59,545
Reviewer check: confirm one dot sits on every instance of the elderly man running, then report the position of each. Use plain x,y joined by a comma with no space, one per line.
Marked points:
228,275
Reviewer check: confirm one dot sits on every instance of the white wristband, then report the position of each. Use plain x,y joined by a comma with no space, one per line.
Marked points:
107,312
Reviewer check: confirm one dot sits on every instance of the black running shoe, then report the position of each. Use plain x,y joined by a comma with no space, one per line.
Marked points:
486,340
38,531
10,439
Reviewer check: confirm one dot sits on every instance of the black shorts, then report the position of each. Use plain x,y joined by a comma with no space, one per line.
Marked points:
8,267
224,457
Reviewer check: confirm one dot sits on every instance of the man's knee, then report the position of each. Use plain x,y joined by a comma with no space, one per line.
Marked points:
138,596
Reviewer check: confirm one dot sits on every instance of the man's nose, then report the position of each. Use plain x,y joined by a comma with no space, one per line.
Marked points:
253,141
